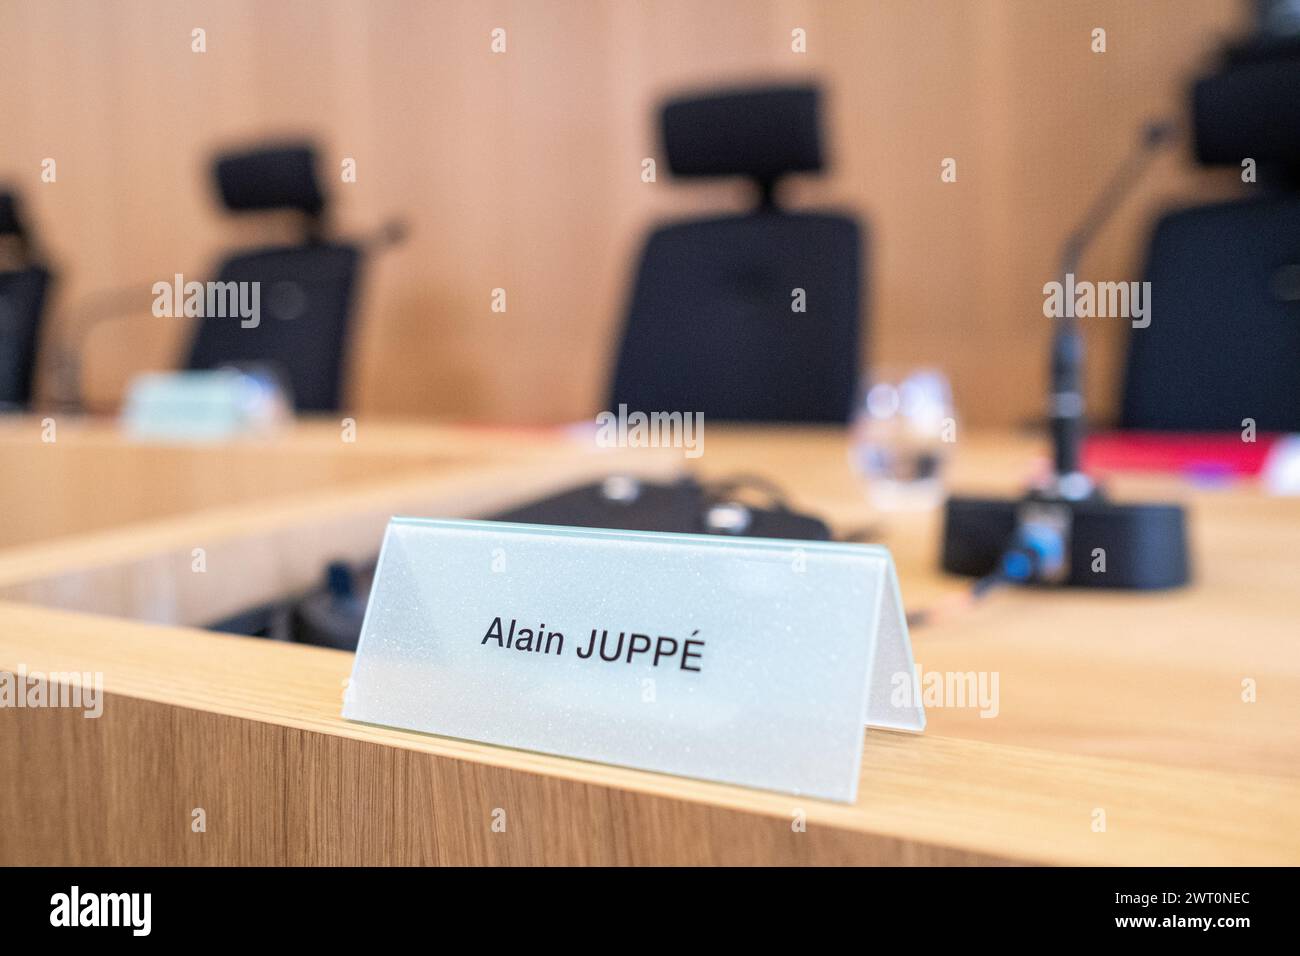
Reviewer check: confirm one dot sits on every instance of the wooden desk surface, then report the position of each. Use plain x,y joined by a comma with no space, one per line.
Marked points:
1127,704
1154,677
76,476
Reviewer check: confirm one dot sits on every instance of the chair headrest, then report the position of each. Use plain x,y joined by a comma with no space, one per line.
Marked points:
762,132
280,177
1250,109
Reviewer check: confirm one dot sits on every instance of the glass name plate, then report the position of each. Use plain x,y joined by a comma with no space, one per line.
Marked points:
740,660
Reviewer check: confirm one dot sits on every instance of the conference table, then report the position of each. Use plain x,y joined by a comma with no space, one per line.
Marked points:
1159,728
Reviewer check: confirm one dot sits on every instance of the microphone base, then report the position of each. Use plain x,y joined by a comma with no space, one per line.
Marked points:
1140,547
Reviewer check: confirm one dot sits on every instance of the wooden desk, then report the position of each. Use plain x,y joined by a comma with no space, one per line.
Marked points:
114,526
1126,704
1153,677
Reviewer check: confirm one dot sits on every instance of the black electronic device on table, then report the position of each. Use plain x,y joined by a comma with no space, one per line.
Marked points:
331,616
627,504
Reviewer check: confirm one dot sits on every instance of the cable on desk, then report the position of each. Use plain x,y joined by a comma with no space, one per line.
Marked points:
1021,563
953,604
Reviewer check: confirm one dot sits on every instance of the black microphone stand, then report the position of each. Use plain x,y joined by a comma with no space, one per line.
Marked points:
1067,405
1068,532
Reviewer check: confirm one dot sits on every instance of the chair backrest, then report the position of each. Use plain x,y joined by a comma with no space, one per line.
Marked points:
305,302
24,285
306,292
753,317
22,302
1223,345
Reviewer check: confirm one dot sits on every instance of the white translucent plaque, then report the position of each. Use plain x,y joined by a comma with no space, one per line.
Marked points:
749,661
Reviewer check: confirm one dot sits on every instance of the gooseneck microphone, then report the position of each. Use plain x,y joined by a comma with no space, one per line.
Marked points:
1068,532
1066,406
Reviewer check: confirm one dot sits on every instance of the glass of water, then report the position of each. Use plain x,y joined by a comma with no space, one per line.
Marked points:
903,428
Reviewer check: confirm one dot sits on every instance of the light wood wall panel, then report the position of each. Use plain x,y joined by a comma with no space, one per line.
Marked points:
521,170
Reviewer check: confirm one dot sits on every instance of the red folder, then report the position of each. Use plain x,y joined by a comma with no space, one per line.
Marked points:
1223,453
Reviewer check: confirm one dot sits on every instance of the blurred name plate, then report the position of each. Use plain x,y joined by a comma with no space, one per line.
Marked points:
740,660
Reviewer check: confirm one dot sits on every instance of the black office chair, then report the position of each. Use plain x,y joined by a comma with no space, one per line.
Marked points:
1223,345
24,283
711,327
307,290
